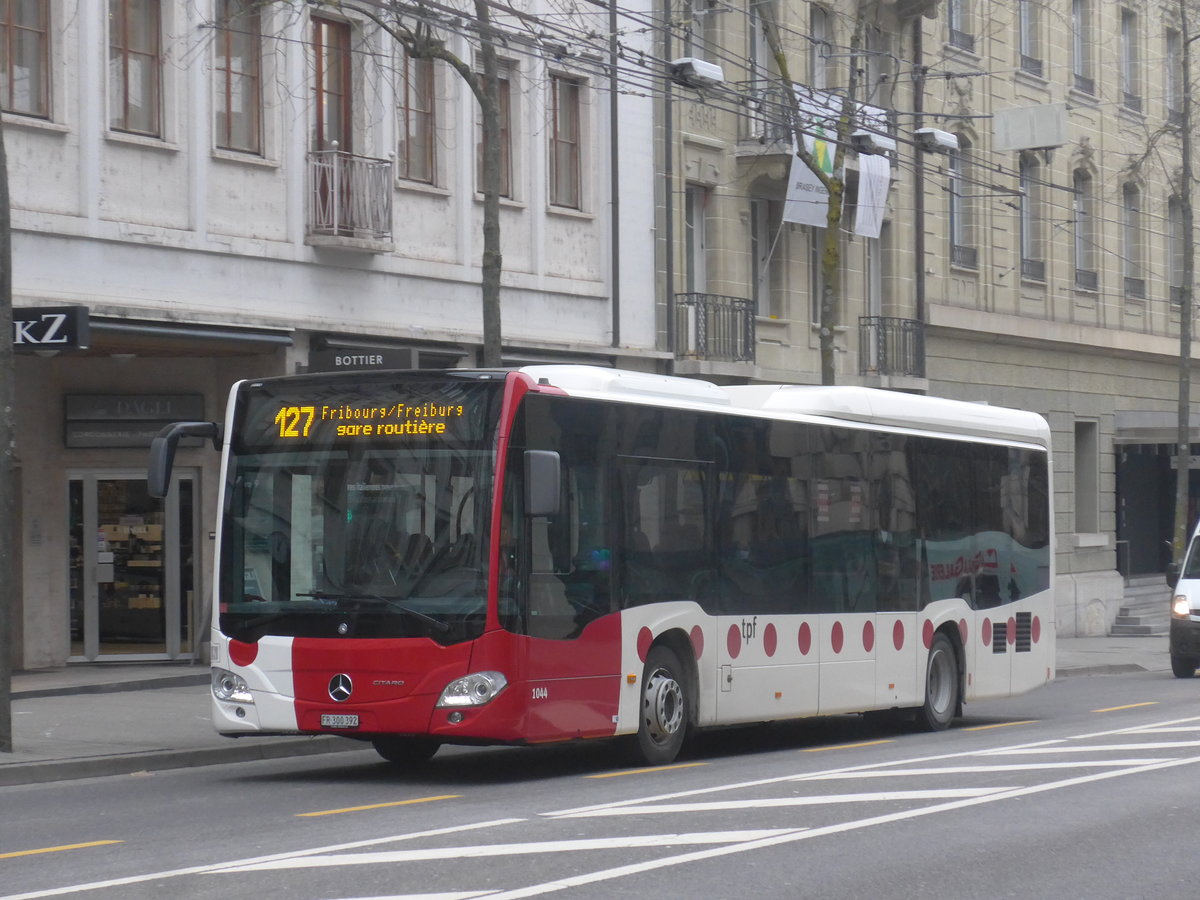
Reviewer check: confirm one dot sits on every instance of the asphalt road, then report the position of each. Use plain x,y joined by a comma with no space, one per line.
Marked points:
1083,789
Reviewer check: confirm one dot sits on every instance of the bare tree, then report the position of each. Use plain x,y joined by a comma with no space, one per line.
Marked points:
832,301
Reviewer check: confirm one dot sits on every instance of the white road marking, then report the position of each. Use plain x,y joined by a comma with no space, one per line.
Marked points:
525,849
198,870
984,770
778,802
1099,748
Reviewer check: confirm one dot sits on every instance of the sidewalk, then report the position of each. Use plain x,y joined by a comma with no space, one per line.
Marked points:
86,721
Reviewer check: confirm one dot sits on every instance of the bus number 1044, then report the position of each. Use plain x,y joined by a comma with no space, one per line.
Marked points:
295,421
540,693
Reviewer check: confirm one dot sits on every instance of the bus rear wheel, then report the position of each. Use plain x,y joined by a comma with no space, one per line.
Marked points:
941,686
406,751
663,716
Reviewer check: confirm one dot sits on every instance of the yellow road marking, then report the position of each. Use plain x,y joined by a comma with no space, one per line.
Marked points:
847,746
57,849
1128,706
644,771
350,809
1001,725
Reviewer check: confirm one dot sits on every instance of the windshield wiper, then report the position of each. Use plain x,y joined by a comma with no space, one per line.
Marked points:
376,599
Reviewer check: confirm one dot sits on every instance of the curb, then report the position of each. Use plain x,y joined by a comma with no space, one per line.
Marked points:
114,687
18,773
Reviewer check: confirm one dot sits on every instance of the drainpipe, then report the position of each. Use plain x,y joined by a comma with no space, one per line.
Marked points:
614,173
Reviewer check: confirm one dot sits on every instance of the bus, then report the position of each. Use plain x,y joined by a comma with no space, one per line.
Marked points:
561,552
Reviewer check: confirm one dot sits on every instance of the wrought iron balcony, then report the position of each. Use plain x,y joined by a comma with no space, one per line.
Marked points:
1087,280
891,346
714,327
1135,288
349,196
767,116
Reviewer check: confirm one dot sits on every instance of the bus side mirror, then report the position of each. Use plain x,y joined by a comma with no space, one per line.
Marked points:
162,452
542,480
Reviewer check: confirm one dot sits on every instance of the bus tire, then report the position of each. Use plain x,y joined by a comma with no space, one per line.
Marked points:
942,698
1183,666
663,712
406,751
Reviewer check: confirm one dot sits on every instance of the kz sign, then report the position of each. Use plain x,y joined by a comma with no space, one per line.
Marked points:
50,328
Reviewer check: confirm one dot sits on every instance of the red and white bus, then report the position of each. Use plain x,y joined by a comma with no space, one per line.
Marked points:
564,552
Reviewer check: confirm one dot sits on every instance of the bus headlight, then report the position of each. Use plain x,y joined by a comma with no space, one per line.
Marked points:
228,686
1181,607
473,690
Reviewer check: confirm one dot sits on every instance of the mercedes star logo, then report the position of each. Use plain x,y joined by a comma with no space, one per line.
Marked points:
340,687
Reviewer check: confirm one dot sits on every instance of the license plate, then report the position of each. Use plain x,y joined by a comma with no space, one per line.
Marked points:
329,720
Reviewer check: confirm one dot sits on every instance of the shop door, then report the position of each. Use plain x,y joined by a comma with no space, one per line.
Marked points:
132,567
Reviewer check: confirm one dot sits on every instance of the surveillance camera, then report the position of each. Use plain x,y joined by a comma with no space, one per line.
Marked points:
933,140
696,73
870,143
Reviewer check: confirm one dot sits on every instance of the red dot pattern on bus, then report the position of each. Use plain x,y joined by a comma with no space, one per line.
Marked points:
241,653
644,640
837,637
770,639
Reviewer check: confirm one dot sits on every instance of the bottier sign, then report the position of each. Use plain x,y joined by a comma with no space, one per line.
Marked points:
50,328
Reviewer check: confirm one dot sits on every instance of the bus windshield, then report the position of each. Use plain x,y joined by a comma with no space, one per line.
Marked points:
358,508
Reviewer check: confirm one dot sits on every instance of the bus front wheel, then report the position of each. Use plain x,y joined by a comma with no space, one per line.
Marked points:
941,686
406,751
663,718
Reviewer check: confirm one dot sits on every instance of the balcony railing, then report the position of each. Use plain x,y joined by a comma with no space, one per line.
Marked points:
1085,83
1032,65
1033,269
1087,280
349,196
714,327
767,116
964,257
1135,288
1132,102
962,40
891,346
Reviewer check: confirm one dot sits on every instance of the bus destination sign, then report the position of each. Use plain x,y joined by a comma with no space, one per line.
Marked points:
398,420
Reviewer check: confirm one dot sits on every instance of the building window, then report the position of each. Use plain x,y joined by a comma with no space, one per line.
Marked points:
816,274
958,19
963,251
415,156
135,67
24,29
1033,262
1086,277
881,66
820,52
700,28
1081,46
695,212
1087,477
767,252
332,123
564,142
1131,242
1174,76
1131,87
238,67
1175,249
1029,40
505,93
